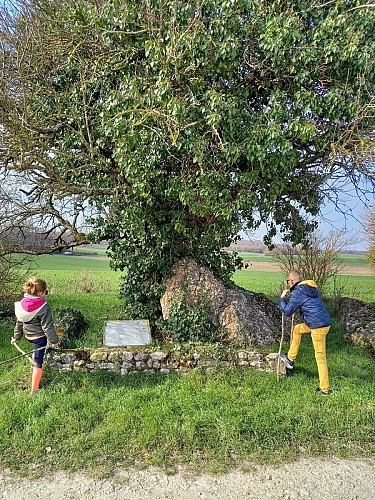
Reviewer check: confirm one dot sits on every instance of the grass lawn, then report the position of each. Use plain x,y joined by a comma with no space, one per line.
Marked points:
206,420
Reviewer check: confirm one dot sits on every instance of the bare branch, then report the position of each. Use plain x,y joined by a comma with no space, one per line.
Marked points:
319,260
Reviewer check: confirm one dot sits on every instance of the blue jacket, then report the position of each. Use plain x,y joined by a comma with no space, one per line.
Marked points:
305,297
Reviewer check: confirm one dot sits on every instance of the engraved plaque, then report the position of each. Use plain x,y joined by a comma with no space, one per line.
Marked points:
125,333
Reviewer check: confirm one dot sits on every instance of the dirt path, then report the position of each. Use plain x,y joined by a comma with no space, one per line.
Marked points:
307,479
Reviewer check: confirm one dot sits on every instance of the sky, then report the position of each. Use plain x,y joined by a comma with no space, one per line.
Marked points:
334,220
353,222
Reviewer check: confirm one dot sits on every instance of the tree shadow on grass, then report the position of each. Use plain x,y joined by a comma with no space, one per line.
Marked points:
102,379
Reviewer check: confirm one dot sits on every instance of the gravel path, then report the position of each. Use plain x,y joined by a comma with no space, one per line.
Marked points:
312,479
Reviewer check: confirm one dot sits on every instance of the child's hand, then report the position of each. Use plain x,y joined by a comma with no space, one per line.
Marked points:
284,293
13,341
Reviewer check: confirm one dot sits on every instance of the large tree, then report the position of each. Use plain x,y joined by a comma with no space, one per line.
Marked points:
179,123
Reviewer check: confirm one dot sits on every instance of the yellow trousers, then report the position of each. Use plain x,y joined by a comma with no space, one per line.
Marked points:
318,336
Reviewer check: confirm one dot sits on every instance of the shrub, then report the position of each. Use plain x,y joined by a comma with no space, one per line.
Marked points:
6,308
70,324
187,325
319,259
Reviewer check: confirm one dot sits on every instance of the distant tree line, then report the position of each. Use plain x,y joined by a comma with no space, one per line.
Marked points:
28,240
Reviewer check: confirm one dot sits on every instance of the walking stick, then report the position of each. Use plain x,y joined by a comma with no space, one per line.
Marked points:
16,357
291,328
26,354
281,343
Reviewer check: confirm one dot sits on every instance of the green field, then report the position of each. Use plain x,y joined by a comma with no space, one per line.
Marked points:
74,274
271,283
88,284
347,259
206,420
58,262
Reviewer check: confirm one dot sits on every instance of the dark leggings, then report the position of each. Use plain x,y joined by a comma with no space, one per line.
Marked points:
39,355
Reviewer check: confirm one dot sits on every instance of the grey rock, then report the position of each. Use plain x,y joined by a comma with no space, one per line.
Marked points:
245,316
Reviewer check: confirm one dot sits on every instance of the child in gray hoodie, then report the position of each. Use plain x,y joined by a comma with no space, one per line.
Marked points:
34,321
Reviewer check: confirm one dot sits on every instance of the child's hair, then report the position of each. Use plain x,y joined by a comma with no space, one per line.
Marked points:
296,274
34,285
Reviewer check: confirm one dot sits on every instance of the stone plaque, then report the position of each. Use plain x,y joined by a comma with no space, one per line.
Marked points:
125,333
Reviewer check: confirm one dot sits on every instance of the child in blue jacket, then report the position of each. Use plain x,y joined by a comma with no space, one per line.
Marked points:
304,296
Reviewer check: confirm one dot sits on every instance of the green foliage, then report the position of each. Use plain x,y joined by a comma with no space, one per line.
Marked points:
70,324
179,123
6,308
187,325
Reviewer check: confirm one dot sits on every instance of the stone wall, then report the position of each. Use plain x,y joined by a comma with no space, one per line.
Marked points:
129,360
359,320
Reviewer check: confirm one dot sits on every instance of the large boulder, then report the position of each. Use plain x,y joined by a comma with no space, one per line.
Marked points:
359,320
244,316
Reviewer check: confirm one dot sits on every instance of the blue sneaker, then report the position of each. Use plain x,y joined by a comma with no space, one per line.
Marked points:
286,361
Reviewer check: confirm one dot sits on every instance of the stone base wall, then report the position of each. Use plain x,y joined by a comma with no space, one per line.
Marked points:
129,360
359,320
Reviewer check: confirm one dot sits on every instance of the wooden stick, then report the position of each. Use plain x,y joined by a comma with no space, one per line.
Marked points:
292,328
25,354
281,343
